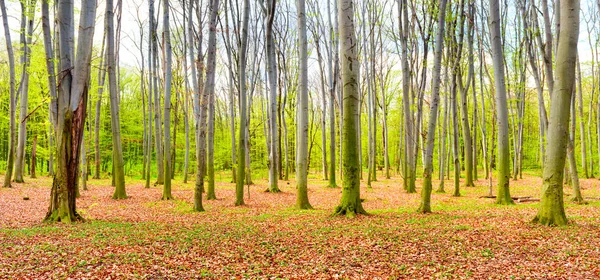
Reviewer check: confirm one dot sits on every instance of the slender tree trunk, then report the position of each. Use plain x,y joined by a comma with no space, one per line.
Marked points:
167,99
302,126
119,173
332,69
29,9
243,138
209,90
12,99
551,210
409,179
425,206
443,145
157,123
455,134
503,196
34,157
577,198
581,123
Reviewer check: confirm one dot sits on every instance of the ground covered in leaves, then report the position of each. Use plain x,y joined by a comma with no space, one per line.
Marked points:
144,237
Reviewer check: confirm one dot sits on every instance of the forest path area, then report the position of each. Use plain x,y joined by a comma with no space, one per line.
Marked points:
144,237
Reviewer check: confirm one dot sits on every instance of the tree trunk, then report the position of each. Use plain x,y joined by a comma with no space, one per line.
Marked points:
209,92
302,125
29,9
577,198
350,203
551,210
34,157
243,138
167,99
157,123
503,196
425,206
71,107
409,178
12,99
117,149
332,69
581,123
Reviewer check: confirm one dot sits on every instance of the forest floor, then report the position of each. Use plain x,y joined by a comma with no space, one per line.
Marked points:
144,237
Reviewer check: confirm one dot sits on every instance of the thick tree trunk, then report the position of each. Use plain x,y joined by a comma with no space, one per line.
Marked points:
350,203
12,99
425,206
551,210
503,196
71,107
117,149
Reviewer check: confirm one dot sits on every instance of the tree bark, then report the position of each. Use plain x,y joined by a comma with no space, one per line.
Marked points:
503,196
551,210
71,107
117,149
350,203
209,90
12,99
302,126
29,9
410,160
239,189
425,206
167,106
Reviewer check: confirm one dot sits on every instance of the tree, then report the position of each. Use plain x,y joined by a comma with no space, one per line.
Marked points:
27,18
167,110
409,137
242,138
154,88
272,77
433,111
503,196
302,126
551,210
71,107
12,99
350,203
119,172
51,77
209,89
